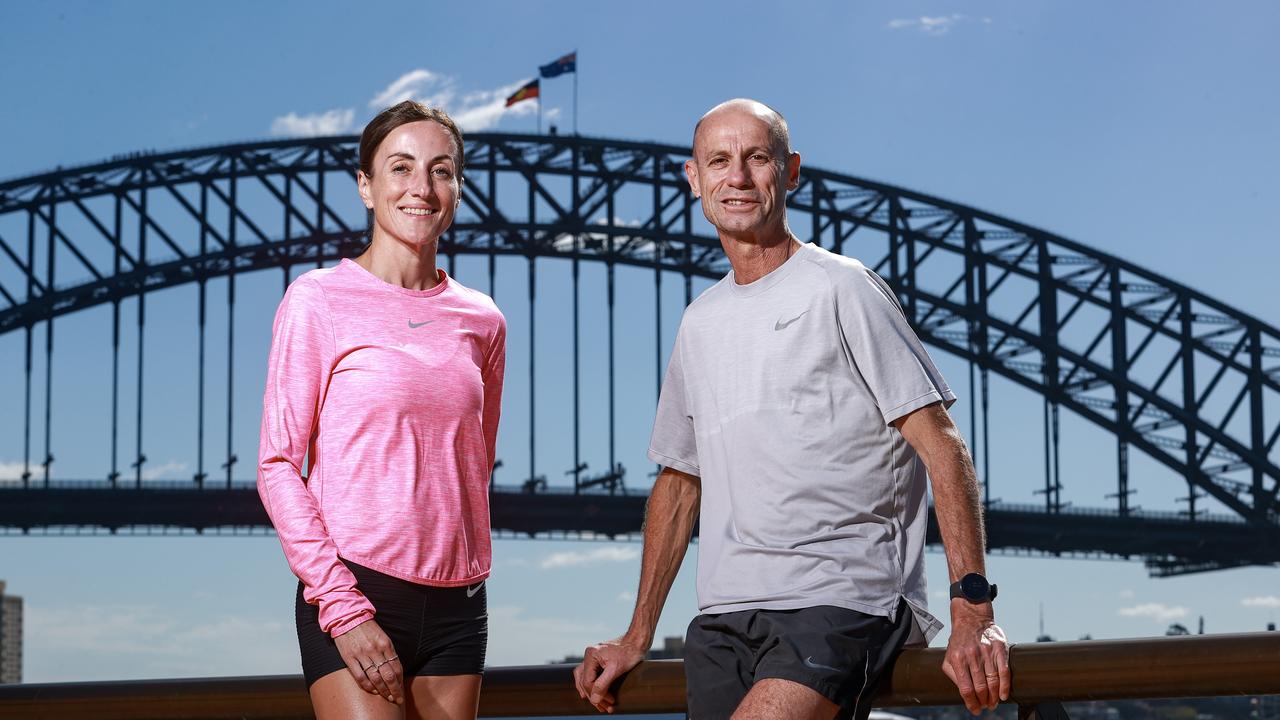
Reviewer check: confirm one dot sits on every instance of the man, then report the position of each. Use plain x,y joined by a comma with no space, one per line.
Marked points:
798,416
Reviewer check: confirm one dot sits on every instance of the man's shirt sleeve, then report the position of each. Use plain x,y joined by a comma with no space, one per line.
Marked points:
673,443
884,349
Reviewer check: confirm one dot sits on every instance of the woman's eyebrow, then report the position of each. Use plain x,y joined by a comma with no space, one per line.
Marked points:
410,156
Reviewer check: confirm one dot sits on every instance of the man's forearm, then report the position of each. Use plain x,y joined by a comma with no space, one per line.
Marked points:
955,487
958,508
668,526
977,658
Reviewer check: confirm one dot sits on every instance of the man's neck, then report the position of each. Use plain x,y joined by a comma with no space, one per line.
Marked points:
752,259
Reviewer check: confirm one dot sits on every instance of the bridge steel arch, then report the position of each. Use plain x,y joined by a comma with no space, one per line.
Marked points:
1184,378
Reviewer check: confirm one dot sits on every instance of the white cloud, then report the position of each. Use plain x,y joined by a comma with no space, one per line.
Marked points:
1126,594
1262,601
331,122
1156,611
172,470
626,596
11,470
474,110
411,85
125,642
938,25
482,109
609,553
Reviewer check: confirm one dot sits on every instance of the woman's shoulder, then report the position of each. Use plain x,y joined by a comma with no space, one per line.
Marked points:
476,299
324,276
309,293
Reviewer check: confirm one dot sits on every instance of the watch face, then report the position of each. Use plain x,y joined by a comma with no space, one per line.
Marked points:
974,586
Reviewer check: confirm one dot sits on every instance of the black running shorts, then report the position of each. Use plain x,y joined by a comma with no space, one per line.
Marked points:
435,630
842,654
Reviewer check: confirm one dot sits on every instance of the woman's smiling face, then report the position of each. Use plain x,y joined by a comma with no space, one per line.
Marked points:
415,186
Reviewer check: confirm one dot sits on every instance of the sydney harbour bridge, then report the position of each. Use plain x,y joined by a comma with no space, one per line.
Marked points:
1166,373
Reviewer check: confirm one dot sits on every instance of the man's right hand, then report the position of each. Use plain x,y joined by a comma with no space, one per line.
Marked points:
601,665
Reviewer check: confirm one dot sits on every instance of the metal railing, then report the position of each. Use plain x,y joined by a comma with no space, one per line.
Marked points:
1044,675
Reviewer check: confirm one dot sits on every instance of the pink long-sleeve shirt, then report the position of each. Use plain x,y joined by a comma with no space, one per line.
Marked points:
392,397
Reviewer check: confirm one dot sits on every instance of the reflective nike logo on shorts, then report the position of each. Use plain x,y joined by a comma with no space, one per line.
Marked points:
783,325
819,666
473,589
413,324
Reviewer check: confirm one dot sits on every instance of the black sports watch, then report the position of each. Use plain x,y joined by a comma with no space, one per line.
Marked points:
973,588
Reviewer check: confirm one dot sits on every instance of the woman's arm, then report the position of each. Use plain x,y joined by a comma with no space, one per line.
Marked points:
303,348
494,368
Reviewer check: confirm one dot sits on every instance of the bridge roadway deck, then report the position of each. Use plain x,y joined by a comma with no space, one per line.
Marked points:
1168,542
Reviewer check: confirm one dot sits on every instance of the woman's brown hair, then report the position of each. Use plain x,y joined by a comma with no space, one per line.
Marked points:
402,114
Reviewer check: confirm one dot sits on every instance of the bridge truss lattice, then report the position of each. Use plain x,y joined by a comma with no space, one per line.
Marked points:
1166,370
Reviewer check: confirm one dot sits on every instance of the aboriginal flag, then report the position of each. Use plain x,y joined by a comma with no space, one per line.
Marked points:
528,91
566,64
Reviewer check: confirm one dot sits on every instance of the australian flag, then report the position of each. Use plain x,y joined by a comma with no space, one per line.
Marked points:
566,64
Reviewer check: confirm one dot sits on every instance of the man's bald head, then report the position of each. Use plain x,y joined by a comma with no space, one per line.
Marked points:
777,124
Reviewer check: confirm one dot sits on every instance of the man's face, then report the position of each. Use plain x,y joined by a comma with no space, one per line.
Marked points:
741,174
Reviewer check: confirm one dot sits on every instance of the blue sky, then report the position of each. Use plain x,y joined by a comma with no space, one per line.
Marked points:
1145,129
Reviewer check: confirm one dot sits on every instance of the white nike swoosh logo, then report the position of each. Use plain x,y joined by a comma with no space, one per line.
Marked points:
473,589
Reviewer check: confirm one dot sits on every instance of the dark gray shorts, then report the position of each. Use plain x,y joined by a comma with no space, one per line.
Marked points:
842,654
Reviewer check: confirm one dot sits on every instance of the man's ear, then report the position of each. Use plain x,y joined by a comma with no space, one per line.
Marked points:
793,171
691,173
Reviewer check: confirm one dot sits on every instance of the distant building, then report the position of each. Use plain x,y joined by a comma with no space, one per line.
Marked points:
10,637
672,649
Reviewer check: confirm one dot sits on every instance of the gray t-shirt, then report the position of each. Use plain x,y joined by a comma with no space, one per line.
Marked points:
780,395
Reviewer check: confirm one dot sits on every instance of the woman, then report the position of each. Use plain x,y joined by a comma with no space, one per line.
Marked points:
385,374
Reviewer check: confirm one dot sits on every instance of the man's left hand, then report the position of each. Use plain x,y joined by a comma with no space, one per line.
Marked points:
977,658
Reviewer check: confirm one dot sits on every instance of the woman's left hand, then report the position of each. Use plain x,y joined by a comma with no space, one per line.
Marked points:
372,660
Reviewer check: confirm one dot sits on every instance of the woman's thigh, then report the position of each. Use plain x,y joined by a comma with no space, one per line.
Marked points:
450,697
336,696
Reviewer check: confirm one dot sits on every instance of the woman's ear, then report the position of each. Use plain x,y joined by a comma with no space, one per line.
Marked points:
362,182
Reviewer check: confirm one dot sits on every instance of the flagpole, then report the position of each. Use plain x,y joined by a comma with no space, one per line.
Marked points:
575,92
539,99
